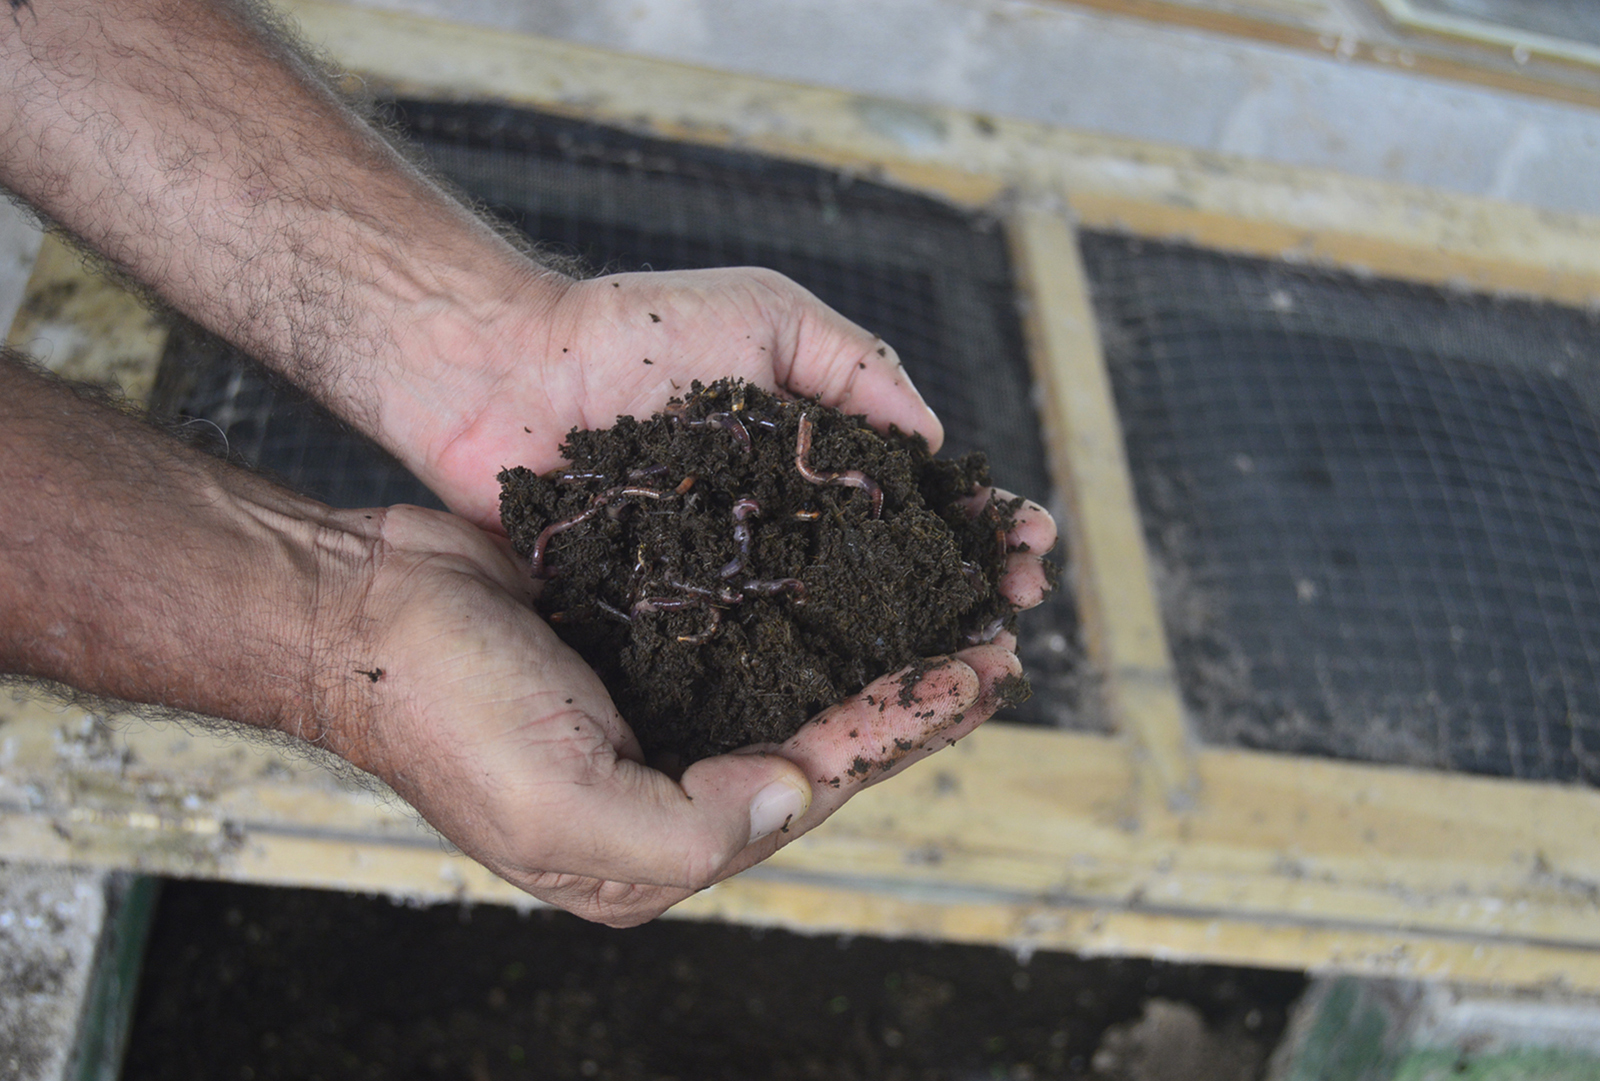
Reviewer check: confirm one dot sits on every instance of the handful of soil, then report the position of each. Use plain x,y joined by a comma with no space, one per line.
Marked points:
737,562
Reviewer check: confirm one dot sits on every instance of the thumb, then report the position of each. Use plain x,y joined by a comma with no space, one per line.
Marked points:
764,792
641,826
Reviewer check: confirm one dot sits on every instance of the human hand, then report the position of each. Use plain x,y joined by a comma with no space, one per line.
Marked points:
504,740
623,345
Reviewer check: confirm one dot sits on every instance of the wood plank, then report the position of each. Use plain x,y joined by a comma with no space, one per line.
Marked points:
1528,43
1112,582
1444,263
83,326
1019,837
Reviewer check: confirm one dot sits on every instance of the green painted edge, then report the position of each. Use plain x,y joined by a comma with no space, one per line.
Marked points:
108,1007
1515,1064
1349,1038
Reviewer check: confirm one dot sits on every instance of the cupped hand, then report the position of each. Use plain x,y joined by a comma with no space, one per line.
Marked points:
624,345
506,742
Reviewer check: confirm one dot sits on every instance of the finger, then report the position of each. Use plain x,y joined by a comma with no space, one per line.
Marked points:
1033,528
869,737
895,721
854,371
1026,582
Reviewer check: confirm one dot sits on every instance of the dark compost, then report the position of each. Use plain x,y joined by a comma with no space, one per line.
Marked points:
739,561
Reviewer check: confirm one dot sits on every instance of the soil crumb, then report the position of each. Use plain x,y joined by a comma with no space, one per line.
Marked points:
739,561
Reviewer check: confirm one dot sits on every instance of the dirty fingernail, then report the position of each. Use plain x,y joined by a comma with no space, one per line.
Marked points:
774,807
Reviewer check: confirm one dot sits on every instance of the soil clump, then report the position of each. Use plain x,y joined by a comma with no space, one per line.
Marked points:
739,561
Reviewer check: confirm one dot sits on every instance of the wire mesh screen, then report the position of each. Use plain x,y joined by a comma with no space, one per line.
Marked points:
1374,508
930,279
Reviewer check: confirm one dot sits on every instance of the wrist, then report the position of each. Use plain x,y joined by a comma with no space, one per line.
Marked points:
479,336
333,555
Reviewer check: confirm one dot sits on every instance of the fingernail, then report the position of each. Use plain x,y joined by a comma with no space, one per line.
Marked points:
774,807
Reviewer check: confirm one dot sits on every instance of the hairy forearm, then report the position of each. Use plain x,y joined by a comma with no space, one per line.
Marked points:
136,568
207,160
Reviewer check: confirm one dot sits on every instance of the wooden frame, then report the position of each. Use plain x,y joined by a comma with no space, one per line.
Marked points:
1143,842
1462,50
1525,43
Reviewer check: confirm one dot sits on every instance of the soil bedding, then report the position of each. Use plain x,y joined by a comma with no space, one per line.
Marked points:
739,561
245,983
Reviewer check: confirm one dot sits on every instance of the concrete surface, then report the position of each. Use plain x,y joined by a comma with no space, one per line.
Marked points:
51,921
1056,63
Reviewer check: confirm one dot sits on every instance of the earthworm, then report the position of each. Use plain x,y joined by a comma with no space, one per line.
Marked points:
722,594
742,509
614,613
647,471
850,478
705,635
692,596
731,423
536,559
770,586
713,600
728,422
705,595
629,491
646,605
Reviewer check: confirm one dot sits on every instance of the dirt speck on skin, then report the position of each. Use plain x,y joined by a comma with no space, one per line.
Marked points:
911,679
723,595
1012,690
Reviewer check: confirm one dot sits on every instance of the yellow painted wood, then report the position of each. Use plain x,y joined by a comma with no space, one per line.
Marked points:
1449,261
1111,567
85,327
1410,233
1017,837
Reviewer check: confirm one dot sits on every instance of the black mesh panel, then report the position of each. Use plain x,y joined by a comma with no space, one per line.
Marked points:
1375,508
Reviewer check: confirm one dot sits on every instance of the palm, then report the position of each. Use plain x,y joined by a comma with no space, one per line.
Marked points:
625,344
